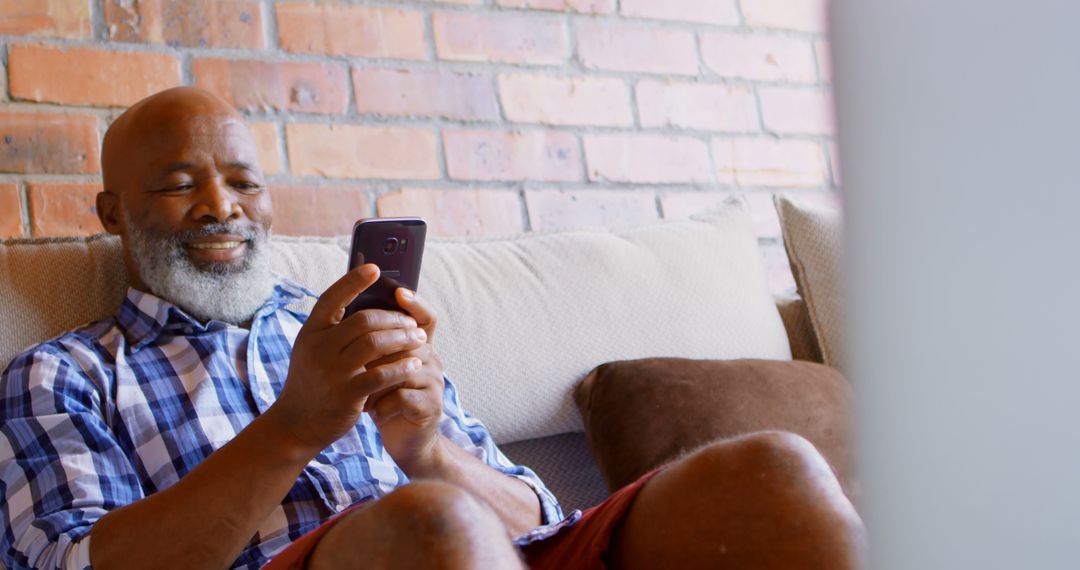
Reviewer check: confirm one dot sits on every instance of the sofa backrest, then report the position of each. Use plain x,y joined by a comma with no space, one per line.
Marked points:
522,319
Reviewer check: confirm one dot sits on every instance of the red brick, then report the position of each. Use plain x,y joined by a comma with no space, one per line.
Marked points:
351,30
722,12
63,209
317,210
824,60
10,211
765,58
561,209
566,100
802,15
647,158
529,155
266,141
425,93
797,111
458,212
55,18
620,47
80,76
579,6
48,143
276,86
769,162
500,38
697,106
682,205
351,151
189,23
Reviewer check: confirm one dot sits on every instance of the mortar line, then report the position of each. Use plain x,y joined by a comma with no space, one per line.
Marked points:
99,28
24,208
270,29
526,221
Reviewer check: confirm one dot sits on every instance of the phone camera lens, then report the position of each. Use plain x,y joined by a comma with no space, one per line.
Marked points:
390,245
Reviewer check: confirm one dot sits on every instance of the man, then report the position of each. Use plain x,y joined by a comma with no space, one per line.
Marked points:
208,426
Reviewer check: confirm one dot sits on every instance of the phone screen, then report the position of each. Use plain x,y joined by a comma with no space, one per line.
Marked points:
396,245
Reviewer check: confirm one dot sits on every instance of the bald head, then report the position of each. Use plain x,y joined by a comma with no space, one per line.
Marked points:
176,112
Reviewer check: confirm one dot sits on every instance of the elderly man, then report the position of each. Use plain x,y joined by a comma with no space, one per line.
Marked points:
208,426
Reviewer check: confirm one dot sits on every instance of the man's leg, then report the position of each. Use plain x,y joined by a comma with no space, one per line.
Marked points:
763,501
424,524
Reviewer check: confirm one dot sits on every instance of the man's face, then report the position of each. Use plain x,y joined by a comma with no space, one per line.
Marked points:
185,191
193,176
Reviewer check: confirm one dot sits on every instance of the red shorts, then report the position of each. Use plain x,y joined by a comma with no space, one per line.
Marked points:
581,546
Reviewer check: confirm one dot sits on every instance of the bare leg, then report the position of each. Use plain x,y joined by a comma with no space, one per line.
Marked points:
762,501
425,524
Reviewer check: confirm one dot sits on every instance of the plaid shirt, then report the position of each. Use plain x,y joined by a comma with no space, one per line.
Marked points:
112,412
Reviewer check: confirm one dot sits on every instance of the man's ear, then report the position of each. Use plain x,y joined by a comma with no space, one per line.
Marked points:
108,211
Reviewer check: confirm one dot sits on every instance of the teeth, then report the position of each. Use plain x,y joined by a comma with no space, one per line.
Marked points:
216,245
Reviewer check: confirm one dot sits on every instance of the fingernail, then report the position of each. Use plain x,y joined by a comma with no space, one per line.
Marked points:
420,334
414,364
368,270
407,294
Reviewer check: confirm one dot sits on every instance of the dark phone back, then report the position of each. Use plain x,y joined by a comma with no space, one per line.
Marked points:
396,245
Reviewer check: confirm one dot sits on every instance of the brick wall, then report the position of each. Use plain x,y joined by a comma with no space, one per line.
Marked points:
487,117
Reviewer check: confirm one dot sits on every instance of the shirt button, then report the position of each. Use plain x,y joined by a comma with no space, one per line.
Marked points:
339,508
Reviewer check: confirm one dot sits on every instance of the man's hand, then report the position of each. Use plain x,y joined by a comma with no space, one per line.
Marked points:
333,368
408,412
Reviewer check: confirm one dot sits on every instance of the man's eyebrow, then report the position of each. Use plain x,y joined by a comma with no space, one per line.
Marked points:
175,166
241,165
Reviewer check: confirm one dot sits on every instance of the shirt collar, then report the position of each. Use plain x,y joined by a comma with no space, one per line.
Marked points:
143,316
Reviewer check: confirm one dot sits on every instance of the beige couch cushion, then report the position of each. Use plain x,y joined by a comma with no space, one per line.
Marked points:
812,238
522,319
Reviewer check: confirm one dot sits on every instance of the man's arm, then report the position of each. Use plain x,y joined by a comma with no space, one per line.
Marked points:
408,417
511,498
205,519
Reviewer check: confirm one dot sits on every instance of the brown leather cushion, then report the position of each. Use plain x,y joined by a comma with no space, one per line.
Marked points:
640,414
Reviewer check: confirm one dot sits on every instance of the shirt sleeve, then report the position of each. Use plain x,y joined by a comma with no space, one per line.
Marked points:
468,432
61,467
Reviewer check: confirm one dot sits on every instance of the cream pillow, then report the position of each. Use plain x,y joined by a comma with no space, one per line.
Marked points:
813,240
522,319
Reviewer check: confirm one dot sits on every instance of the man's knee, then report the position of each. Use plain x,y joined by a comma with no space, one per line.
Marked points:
786,483
762,458
438,508
424,524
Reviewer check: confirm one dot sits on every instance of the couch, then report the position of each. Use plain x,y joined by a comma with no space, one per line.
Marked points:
523,319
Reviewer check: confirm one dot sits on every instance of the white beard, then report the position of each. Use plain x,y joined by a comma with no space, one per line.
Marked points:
218,291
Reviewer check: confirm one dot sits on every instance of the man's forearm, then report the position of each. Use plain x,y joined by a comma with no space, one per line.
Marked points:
512,499
205,519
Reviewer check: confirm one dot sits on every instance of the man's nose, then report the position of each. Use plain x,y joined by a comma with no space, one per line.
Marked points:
216,203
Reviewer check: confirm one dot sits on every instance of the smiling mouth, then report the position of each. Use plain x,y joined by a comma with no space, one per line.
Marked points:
216,245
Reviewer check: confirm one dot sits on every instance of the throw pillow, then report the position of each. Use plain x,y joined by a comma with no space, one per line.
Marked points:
641,414
813,240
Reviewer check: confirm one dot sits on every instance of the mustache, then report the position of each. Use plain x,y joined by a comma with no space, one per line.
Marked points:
246,231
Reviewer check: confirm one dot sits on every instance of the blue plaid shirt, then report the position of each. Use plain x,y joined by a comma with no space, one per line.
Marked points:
121,408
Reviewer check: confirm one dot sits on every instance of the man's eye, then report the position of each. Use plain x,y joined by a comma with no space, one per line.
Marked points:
247,186
185,187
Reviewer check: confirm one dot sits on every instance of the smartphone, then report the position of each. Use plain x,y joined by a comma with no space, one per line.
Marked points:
396,245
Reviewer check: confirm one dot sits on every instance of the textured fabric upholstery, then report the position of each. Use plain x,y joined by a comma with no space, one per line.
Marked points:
812,238
522,319
566,466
